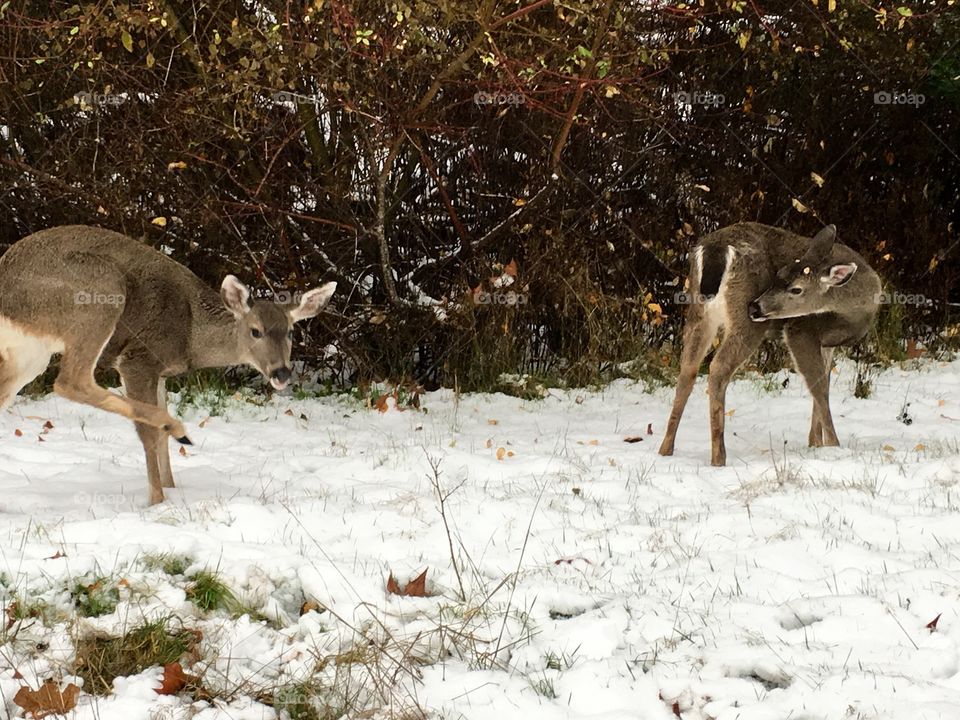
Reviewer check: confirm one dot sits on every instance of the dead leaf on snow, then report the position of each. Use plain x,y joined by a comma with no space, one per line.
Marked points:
48,700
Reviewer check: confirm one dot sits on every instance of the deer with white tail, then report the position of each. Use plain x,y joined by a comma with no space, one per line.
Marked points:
754,280
100,298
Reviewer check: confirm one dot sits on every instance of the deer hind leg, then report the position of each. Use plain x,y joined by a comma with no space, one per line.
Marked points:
816,437
813,362
740,341
76,382
141,384
698,333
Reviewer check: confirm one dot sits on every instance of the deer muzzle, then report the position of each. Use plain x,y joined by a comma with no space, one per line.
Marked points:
280,378
755,312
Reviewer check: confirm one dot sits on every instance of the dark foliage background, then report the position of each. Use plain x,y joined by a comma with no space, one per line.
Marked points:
423,154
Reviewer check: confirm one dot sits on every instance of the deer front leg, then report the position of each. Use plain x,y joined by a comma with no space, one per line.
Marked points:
813,362
141,383
163,454
75,382
816,438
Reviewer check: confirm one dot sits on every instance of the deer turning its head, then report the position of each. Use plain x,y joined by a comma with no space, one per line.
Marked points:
753,280
100,298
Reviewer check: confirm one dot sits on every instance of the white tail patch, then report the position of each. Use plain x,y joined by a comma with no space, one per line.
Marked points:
697,270
23,356
716,307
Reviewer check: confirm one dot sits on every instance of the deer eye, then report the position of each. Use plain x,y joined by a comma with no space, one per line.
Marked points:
795,291
290,335
256,333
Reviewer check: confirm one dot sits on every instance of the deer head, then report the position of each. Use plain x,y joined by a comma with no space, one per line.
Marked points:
806,286
265,328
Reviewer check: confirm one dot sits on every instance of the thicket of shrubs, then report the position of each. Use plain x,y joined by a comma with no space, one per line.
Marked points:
497,186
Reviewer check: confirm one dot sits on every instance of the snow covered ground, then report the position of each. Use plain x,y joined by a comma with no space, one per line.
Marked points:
596,578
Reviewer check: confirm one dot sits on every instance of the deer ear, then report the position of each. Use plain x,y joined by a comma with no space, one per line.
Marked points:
312,302
820,245
839,274
827,236
236,296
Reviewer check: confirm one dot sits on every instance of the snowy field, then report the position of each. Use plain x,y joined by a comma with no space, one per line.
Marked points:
570,574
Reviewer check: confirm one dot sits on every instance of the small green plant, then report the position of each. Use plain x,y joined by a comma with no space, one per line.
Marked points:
168,563
99,660
888,334
93,597
208,592
552,661
297,701
21,608
544,686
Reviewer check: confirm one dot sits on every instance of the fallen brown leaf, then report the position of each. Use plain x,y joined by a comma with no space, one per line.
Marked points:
418,586
174,679
48,700
415,588
311,606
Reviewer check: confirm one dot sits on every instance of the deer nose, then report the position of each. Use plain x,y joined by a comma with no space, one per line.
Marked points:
281,375
753,309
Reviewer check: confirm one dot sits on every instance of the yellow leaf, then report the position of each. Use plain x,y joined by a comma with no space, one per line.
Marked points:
888,448
501,452
159,221
150,60
126,40
941,403
489,443
817,179
832,5
593,442
519,202
178,165
919,447
934,261
493,422
730,413
800,207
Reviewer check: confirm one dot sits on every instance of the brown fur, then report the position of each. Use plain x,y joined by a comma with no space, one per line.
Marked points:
765,262
101,298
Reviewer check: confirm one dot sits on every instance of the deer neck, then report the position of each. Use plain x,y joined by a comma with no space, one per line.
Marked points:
213,336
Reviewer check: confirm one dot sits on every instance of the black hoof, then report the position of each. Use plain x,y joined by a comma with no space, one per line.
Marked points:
184,440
